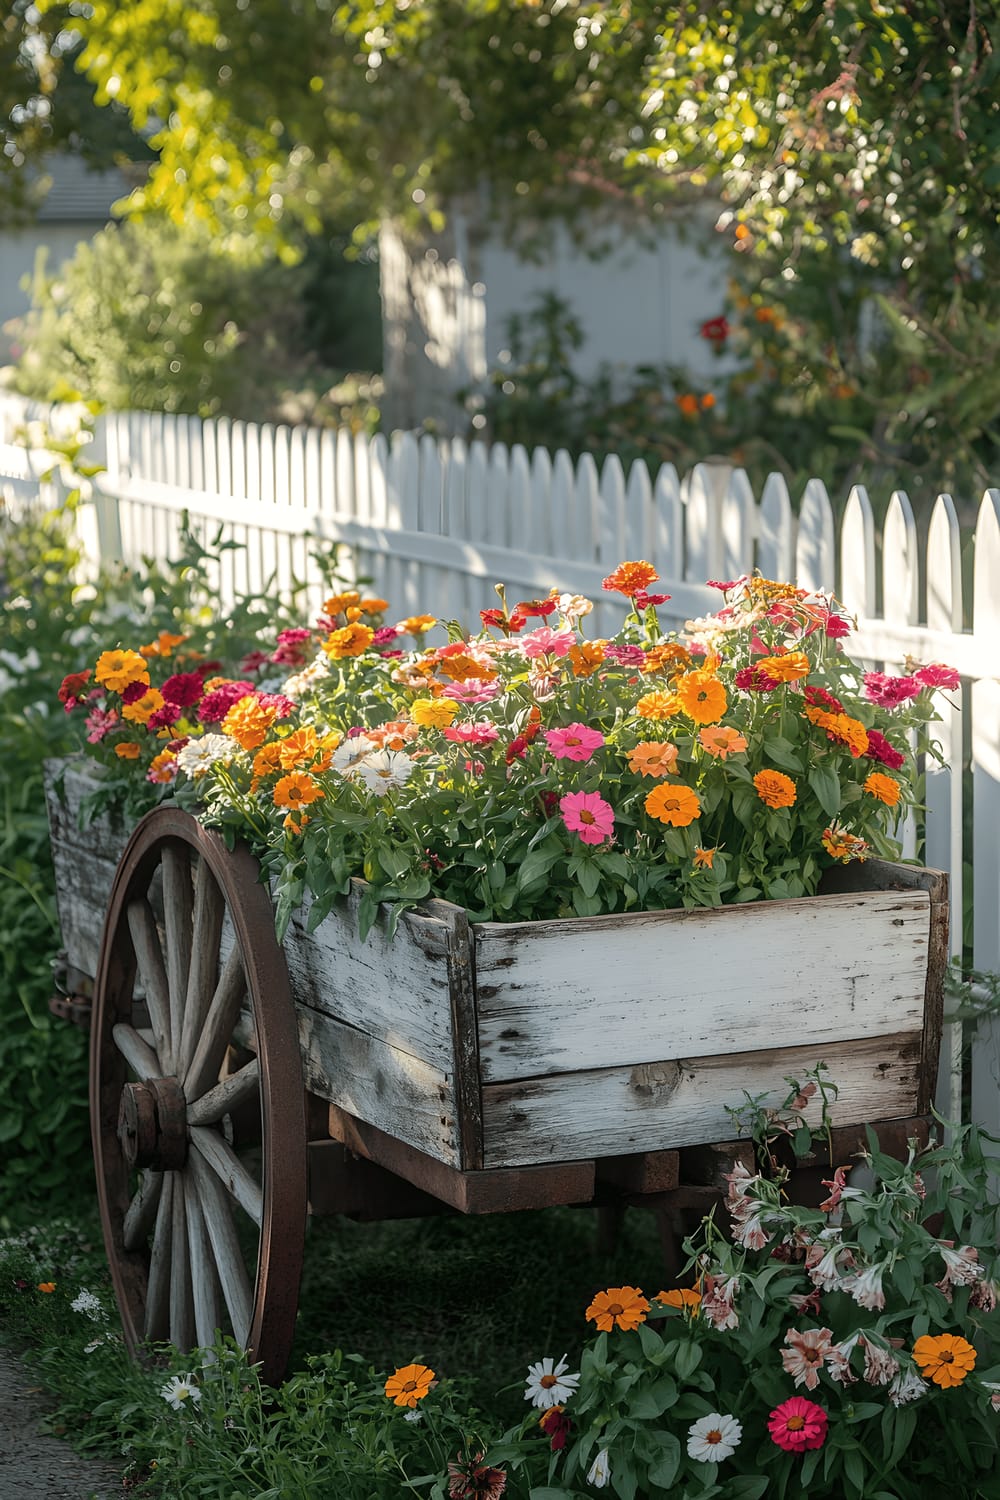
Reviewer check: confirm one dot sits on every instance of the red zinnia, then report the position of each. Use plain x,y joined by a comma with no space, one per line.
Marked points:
798,1425
715,330
556,1426
71,688
183,689
753,680
818,697
879,749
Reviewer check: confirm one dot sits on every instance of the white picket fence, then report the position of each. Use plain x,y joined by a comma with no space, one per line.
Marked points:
436,525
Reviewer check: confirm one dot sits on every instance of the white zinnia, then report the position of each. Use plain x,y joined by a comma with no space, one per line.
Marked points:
180,1389
907,1386
713,1438
384,770
300,683
87,1302
199,755
600,1470
549,1384
350,752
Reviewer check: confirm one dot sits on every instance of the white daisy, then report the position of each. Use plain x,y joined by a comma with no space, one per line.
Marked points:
713,1438
549,1384
350,752
199,755
87,1302
600,1470
303,682
179,1390
384,770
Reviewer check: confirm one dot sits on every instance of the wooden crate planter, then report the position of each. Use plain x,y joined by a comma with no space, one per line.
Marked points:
489,1046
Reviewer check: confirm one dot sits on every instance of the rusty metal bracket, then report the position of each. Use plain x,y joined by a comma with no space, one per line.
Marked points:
74,1008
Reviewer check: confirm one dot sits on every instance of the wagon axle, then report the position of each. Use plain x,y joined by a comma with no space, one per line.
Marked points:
152,1124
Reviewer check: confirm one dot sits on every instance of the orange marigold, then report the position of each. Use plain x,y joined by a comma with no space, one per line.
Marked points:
164,646
162,768
337,603
300,748
653,758
296,790
115,670
409,1384
139,711
373,606
266,762
686,1298
657,706
790,666
618,1307
945,1358
434,713
351,640
701,696
418,624
883,787
586,658
719,740
463,668
841,728
775,788
630,578
247,722
669,657
128,750
675,805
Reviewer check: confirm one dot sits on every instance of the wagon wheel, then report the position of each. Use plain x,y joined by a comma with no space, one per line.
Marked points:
202,1230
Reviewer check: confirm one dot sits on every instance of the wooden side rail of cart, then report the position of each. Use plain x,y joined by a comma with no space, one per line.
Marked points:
481,1068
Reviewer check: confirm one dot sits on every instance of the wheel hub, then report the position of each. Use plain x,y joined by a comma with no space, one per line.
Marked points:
152,1124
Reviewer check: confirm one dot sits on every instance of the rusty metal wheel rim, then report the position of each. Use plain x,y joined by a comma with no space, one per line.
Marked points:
145,1121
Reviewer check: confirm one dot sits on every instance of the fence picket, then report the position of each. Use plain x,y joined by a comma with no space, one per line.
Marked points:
776,531
815,550
639,520
667,541
737,523
610,535
985,1101
857,555
497,513
519,498
900,585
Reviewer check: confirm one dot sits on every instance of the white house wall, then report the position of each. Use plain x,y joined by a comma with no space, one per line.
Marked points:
18,251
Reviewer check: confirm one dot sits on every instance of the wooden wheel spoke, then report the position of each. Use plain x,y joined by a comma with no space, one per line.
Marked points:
177,920
217,1029
149,957
226,1096
204,1276
156,1322
206,935
181,1295
218,1216
141,1213
231,1172
137,1053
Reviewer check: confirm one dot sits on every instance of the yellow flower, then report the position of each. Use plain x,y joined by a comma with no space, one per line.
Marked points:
788,667
775,788
350,641
701,696
296,790
945,1358
418,624
409,1384
657,706
373,606
247,722
618,1307
882,787
675,805
139,711
337,603
116,669
703,859
434,713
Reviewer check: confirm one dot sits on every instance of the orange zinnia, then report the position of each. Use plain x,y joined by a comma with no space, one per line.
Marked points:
788,667
686,1298
164,645
653,758
676,805
721,741
409,1384
703,858
882,787
701,696
247,722
373,606
586,658
630,578
298,748
349,641
115,670
434,713
419,624
657,706
128,750
296,790
945,1358
667,657
841,728
618,1307
464,668
266,762
339,602
141,709
775,788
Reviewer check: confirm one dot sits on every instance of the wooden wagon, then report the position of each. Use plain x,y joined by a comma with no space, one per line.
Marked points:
237,1085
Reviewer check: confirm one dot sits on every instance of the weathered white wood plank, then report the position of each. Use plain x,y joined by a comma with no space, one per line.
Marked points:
206,934
181,1291
900,606
139,1056
610,534
815,551
140,1216
653,1107
588,992
985,1103
857,554
667,544
738,524
213,1038
226,1096
204,1277
231,1172
218,1217
156,1323
397,990
378,1083
146,943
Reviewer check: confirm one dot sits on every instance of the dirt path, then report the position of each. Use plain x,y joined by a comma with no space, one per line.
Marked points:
31,1462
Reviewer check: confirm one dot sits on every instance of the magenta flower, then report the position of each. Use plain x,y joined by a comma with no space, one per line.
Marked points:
282,706
473,732
937,675
384,634
575,742
165,717
798,1425
625,656
253,661
216,704
753,680
879,749
184,688
890,692
836,627
546,642
98,723
472,691
588,815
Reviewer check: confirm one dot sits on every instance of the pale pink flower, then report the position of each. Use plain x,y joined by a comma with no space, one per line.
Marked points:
750,1232
806,1302
472,732
718,1302
544,684
962,1266
906,1386
823,1267
546,642
803,1359
473,691
98,723
588,815
881,1366
984,1295
865,1287
838,1362
575,742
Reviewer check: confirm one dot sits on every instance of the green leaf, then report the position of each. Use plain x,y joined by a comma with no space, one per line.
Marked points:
783,753
826,787
664,1471
653,1400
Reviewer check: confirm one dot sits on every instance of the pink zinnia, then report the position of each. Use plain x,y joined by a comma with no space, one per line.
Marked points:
836,626
473,691
642,600
474,732
384,634
98,723
890,692
165,717
588,815
798,1425
753,680
289,651
625,656
184,688
546,642
937,675
253,661
879,749
216,704
575,742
